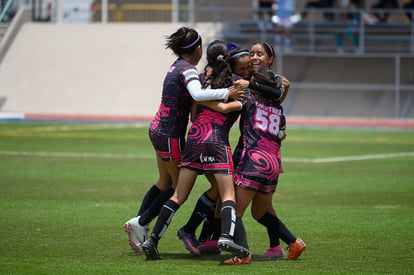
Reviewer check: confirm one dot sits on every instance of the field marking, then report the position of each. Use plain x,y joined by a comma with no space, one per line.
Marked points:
75,155
138,156
349,158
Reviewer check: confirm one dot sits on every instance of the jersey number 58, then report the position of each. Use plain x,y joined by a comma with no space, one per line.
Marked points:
267,122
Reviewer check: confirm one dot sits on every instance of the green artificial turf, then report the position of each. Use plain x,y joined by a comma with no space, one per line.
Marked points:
66,190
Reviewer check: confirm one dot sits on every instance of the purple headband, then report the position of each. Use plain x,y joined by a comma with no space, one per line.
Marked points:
270,48
192,44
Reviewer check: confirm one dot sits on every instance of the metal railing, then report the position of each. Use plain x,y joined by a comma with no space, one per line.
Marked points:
398,30
313,31
5,9
312,34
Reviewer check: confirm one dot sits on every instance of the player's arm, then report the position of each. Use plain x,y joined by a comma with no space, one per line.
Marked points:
196,91
223,107
286,86
278,94
282,128
265,90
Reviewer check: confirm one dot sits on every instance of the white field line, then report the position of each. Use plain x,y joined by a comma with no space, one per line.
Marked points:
349,158
136,156
75,155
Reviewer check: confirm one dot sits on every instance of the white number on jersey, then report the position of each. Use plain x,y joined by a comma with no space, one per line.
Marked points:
267,122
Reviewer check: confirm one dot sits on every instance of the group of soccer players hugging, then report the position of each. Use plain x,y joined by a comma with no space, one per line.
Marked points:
237,83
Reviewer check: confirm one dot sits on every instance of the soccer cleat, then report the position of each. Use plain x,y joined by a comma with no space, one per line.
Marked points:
229,245
295,249
189,241
209,247
150,249
137,234
237,260
273,253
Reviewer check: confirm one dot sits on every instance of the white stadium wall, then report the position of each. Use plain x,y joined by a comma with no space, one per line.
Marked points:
108,70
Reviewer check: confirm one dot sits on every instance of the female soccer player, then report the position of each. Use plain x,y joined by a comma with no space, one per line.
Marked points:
262,57
207,151
167,130
239,60
258,169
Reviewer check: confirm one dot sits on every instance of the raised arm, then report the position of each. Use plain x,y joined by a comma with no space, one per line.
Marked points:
267,91
199,94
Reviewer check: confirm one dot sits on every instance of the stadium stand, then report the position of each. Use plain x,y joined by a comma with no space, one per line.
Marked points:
117,69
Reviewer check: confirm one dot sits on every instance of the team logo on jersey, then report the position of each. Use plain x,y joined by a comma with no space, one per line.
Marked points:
204,159
171,69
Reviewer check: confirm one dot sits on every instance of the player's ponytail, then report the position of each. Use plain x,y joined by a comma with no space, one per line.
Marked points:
217,58
183,41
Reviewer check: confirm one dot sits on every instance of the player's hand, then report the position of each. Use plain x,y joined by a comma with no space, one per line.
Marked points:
282,135
236,93
285,82
241,84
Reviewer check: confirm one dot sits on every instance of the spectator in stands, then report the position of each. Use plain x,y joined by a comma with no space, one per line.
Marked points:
383,16
320,4
284,22
352,17
409,5
265,14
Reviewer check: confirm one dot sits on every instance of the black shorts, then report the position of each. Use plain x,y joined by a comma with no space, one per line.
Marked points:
207,158
169,149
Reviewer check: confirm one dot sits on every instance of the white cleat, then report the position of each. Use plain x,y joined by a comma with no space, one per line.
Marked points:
137,234
229,245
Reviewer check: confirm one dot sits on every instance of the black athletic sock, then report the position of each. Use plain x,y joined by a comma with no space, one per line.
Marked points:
272,225
211,229
154,209
166,214
204,207
240,236
285,234
149,197
228,219
216,228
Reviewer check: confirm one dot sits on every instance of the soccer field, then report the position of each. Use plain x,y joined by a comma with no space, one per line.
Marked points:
66,190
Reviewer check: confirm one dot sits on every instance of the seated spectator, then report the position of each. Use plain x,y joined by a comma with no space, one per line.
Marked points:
352,17
409,5
265,14
384,17
284,22
328,16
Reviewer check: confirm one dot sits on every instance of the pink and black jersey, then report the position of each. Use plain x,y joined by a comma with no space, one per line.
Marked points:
172,117
261,119
259,166
210,126
207,149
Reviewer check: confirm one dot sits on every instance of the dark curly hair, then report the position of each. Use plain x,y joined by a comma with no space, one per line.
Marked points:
184,41
217,58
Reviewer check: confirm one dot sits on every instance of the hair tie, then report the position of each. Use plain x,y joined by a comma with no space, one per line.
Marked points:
240,54
192,44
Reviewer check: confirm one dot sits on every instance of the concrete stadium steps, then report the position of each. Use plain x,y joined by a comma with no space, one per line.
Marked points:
3,29
117,70
335,74
379,38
